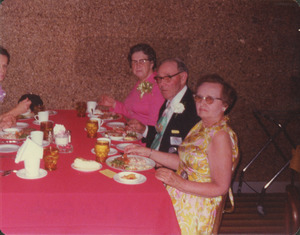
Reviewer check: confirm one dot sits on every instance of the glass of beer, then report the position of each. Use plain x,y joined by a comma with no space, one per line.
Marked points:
102,147
47,128
50,158
81,108
92,128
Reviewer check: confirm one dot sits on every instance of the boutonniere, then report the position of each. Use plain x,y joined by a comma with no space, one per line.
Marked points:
178,108
144,87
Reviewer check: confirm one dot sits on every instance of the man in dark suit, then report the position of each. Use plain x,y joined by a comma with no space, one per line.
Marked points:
179,108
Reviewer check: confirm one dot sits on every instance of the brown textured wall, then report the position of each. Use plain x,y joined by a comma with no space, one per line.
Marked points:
75,50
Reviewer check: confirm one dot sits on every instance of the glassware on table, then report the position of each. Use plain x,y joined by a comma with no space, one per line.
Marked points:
51,155
92,128
63,142
102,148
47,128
81,108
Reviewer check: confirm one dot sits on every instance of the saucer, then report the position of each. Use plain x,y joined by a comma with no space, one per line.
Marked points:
22,174
112,151
37,122
101,129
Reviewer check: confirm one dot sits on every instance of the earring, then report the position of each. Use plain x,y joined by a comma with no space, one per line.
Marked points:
224,109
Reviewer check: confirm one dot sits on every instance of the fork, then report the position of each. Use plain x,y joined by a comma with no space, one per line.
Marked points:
8,172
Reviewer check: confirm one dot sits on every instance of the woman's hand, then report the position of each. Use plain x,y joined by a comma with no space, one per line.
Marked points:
169,177
138,150
107,101
20,108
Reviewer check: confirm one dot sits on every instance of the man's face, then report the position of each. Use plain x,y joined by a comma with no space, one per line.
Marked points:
3,66
169,89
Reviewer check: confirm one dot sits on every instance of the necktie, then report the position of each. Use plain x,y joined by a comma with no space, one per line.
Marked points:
160,128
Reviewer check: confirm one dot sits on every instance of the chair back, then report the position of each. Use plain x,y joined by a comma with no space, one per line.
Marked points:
221,209
292,210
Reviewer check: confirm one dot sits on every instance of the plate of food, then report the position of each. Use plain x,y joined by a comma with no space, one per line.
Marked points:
84,165
15,133
129,178
124,136
121,147
130,163
108,116
24,116
116,124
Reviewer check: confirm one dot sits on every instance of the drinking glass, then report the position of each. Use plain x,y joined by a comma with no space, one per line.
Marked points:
50,158
81,108
47,128
92,128
102,147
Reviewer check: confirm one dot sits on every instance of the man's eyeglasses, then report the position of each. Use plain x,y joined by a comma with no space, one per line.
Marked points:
142,61
208,99
167,78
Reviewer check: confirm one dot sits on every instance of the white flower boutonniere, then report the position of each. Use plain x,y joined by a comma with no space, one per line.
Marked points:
178,108
145,87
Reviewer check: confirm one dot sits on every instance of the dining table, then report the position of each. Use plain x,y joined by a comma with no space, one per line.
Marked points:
69,201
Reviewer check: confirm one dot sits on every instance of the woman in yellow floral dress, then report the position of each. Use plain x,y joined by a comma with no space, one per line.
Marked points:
204,165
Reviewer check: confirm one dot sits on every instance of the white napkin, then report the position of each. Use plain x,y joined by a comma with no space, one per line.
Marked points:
31,153
59,129
29,150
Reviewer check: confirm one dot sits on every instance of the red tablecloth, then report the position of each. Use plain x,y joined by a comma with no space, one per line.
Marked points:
69,201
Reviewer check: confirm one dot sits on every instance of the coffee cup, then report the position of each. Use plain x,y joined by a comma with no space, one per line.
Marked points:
100,122
37,137
91,106
42,116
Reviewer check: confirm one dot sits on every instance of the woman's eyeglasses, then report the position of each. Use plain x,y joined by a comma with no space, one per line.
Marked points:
142,61
167,78
208,99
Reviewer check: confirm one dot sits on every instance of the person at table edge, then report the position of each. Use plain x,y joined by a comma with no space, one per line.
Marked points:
8,119
172,80
205,161
145,99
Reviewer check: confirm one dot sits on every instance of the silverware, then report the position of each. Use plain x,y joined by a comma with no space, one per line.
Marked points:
11,141
8,172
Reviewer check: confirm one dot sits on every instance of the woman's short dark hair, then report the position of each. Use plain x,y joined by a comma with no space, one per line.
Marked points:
146,49
228,94
3,51
35,100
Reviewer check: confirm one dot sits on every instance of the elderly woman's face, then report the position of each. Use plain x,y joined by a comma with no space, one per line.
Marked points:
141,66
210,107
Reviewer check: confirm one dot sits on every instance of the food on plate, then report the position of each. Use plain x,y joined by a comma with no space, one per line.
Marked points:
109,116
129,177
82,163
19,134
130,136
130,163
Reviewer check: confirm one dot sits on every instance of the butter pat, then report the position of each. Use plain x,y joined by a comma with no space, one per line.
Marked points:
108,173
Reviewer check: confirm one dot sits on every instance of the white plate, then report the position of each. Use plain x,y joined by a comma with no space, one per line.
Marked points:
121,147
141,178
149,163
22,174
22,125
86,170
52,112
25,116
112,151
11,130
45,143
9,148
9,136
115,124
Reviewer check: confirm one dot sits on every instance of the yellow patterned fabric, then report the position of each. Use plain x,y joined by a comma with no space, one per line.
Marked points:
196,215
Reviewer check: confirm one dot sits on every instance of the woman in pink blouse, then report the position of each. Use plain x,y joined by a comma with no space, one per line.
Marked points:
144,100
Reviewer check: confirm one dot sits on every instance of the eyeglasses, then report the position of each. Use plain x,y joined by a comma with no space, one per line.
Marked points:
141,61
167,78
208,99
